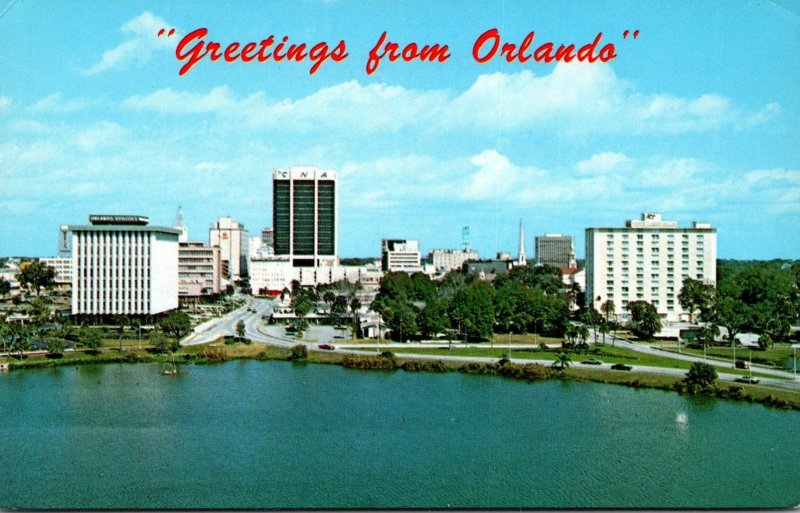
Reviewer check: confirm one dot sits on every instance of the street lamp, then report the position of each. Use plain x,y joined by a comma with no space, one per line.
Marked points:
795,347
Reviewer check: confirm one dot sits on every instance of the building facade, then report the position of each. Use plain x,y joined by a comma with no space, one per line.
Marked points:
648,260
62,267
305,216
233,240
400,255
122,265
446,260
555,249
198,270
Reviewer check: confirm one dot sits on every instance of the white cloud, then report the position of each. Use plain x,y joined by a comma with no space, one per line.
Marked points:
139,46
573,98
102,134
5,102
54,103
604,162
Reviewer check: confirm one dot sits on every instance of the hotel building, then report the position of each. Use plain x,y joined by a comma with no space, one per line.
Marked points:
648,260
122,265
304,216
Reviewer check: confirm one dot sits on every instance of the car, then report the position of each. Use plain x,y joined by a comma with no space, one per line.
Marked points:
326,346
592,361
745,379
741,364
621,366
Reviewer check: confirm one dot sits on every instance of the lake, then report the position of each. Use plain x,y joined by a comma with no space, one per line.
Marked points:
250,434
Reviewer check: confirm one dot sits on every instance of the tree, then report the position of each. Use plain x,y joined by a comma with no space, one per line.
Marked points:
562,362
433,317
696,296
55,346
339,307
472,310
700,378
240,329
645,321
158,340
176,324
592,318
90,339
36,274
5,287
299,352
39,310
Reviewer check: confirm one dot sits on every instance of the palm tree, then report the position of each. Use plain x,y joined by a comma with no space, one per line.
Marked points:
240,329
701,377
562,362
609,309
570,332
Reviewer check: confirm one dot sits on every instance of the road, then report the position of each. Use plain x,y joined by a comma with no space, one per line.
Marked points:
259,332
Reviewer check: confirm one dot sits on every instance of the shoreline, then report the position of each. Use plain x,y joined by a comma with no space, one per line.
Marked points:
220,353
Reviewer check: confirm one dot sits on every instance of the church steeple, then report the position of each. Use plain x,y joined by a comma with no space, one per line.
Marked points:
521,261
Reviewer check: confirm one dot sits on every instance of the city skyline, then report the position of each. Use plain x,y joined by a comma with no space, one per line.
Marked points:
682,122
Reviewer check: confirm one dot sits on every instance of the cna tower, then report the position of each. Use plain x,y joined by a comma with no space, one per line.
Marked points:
304,216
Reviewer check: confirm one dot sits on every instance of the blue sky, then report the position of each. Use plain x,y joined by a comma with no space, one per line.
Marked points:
698,118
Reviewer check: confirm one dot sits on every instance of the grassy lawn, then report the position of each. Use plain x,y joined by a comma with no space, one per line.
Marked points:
606,354
772,356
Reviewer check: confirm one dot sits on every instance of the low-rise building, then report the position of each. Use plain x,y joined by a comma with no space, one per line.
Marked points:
198,270
446,260
401,255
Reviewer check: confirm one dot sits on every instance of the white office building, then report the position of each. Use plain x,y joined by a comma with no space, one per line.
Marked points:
233,240
198,270
122,265
400,255
446,260
62,267
647,260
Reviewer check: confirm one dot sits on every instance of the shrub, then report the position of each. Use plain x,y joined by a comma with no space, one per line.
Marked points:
425,366
299,352
479,368
369,362
523,371
212,355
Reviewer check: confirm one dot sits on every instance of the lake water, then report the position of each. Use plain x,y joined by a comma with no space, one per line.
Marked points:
250,434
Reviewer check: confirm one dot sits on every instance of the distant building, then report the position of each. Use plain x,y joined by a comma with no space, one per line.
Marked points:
400,255
268,236
445,260
122,265
304,216
556,250
198,270
62,267
488,270
232,239
648,260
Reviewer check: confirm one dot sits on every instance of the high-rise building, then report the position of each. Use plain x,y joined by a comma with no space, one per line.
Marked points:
232,239
122,265
400,255
648,260
304,216
556,250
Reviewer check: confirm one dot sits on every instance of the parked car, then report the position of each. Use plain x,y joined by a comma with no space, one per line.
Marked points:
592,361
741,364
327,346
621,366
745,379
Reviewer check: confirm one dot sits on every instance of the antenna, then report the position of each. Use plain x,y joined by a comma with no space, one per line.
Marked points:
465,237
